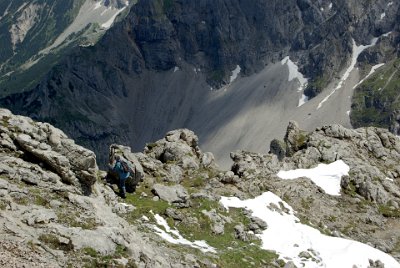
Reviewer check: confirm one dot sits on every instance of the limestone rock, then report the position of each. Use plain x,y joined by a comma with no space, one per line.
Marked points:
176,194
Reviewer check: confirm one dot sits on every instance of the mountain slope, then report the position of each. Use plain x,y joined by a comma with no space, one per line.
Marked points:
57,209
158,70
36,34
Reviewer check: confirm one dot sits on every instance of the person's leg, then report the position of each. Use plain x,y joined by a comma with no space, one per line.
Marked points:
122,189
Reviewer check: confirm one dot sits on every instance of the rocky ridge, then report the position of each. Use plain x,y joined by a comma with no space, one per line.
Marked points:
58,209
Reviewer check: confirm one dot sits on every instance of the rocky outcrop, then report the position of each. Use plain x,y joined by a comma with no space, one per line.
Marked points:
50,148
55,211
370,193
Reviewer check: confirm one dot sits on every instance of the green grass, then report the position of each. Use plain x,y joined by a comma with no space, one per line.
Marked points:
388,211
316,86
52,241
3,205
95,259
144,205
376,98
249,256
231,251
74,219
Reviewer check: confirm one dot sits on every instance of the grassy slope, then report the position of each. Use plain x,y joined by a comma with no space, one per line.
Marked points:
377,97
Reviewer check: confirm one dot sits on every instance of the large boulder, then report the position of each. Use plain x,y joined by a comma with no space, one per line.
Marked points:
176,194
49,147
180,147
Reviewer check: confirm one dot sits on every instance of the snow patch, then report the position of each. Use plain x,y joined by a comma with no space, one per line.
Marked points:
97,5
389,4
293,74
303,99
288,237
235,74
348,112
330,6
325,176
383,15
387,34
389,179
108,24
356,52
373,69
176,69
174,237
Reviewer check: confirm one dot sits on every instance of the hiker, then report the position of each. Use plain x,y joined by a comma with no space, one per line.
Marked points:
123,175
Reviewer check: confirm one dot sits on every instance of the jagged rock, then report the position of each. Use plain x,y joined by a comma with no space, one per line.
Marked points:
181,148
290,264
39,216
73,163
123,208
174,214
229,177
278,148
176,194
376,264
241,234
291,138
175,173
257,225
217,220
208,160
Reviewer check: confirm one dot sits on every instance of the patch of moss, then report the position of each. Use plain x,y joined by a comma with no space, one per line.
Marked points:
388,211
95,259
53,242
21,200
74,219
316,86
91,252
216,76
3,205
307,202
249,256
302,139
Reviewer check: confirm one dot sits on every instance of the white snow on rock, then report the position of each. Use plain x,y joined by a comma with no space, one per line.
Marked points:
288,237
356,52
303,99
235,74
293,74
325,176
383,15
389,179
176,68
116,12
373,69
97,5
330,6
174,237
91,12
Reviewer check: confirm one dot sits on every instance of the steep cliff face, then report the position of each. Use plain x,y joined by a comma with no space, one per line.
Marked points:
34,35
154,70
